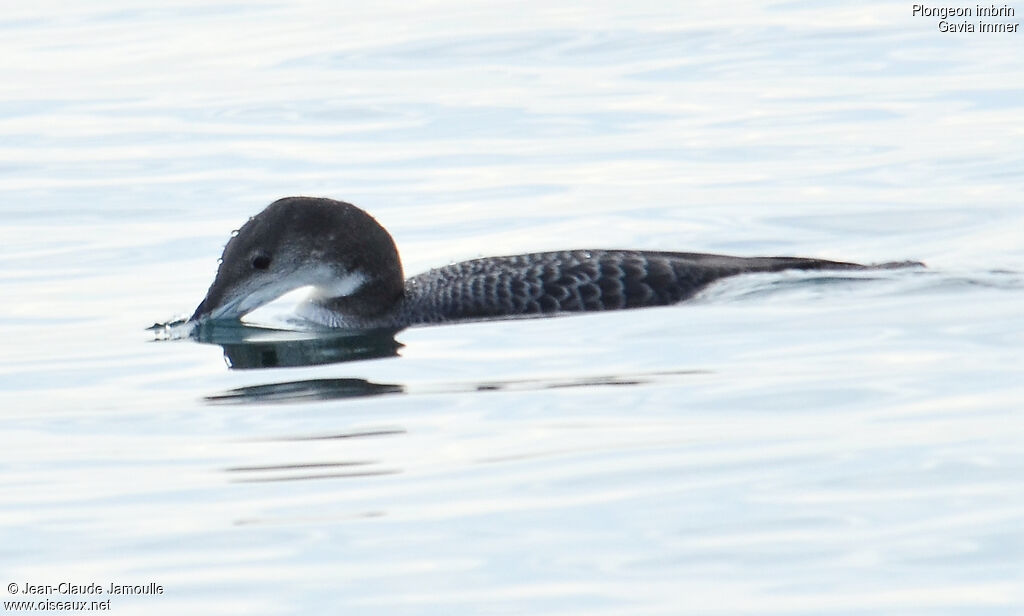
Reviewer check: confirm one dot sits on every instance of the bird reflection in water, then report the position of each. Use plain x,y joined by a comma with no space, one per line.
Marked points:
247,346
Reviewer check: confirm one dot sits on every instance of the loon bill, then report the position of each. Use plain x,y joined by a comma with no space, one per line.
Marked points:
351,262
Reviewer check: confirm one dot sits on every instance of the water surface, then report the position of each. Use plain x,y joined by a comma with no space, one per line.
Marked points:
787,444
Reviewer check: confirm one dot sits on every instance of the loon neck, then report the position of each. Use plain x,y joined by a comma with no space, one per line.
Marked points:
375,295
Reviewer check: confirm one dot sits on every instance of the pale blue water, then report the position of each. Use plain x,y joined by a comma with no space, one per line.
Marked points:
784,444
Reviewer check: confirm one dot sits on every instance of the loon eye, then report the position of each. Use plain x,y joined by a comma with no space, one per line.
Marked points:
260,262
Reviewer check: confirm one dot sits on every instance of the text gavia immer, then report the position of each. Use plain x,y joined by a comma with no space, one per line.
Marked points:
353,266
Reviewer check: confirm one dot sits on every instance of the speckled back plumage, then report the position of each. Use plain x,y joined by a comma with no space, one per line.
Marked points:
574,281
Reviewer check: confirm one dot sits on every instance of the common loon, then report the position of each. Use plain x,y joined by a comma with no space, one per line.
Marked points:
351,262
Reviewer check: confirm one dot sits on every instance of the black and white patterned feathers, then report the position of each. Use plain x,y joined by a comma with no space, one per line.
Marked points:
574,281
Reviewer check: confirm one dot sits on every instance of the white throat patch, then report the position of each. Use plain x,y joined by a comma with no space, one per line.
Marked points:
328,285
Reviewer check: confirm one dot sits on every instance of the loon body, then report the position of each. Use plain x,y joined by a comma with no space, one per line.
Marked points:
352,264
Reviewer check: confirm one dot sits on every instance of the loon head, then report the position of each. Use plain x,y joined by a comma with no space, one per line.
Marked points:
335,247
